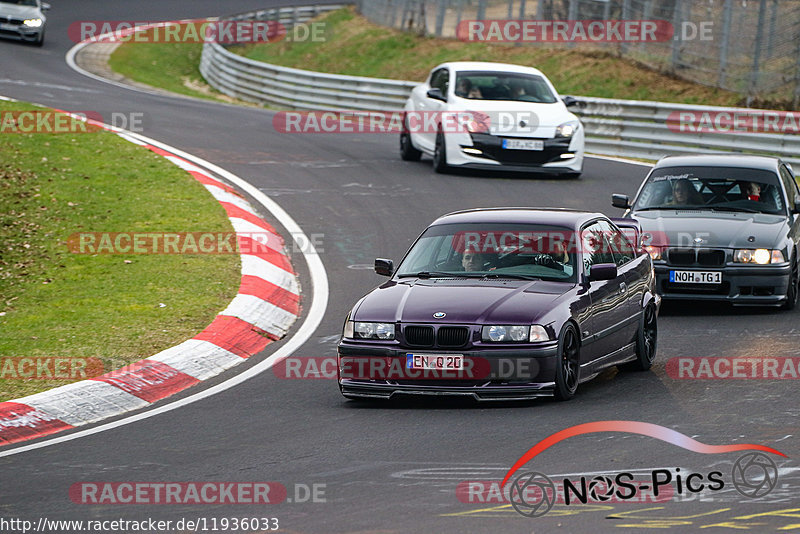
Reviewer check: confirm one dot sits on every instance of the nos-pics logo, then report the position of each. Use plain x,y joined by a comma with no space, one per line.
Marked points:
533,494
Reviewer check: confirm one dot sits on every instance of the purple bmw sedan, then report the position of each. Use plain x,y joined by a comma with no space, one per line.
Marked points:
504,304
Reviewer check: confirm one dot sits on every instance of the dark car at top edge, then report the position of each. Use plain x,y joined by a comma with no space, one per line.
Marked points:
721,228
504,304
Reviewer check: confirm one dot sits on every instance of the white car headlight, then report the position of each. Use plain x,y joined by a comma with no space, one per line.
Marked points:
567,129
513,334
33,23
363,330
760,256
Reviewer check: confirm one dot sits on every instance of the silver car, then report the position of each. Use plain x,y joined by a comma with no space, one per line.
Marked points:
23,20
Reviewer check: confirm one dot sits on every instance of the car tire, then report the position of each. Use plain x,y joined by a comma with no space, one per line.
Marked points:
440,154
646,341
792,290
407,150
40,40
567,363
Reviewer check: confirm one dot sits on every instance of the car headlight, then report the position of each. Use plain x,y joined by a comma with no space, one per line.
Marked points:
760,256
513,334
655,252
567,129
362,330
32,23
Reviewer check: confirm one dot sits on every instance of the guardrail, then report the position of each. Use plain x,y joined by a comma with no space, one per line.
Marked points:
625,128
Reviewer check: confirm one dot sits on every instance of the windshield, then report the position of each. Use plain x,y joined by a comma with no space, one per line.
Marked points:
715,188
20,2
503,86
522,251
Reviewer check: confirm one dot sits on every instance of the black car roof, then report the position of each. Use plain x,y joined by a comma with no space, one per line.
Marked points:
547,216
749,161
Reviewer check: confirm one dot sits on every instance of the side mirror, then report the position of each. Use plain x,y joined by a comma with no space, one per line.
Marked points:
620,201
570,101
436,94
45,6
602,271
384,267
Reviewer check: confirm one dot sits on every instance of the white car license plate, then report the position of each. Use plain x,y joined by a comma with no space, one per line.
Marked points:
523,144
695,277
449,362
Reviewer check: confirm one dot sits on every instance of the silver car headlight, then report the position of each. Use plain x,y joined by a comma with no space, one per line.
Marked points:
365,330
760,256
513,334
567,129
33,23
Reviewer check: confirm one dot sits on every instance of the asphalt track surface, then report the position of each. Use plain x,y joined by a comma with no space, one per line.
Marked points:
394,467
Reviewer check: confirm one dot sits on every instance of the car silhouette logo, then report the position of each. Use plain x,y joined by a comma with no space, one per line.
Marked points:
439,315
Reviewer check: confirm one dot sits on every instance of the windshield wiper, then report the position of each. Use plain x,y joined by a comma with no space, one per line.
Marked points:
511,275
731,208
427,274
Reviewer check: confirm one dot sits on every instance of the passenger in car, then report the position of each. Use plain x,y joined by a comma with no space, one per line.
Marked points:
684,193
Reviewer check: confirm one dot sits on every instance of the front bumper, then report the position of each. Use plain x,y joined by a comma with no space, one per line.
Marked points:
750,285
483,151
20,32
379,372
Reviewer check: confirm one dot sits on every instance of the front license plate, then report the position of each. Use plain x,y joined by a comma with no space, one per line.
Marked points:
695,277
523,144
449,362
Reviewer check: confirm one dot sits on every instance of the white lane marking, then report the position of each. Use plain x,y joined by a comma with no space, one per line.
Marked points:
619,160
319,302
24,83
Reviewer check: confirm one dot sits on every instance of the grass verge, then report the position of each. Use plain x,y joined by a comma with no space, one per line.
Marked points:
171,66
56,304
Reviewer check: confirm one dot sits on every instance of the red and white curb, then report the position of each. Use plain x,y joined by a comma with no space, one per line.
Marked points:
264,309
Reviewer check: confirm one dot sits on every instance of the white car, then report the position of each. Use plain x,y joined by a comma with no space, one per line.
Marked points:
23,20
492,116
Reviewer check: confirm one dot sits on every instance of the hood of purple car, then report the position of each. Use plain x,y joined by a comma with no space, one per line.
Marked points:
471,301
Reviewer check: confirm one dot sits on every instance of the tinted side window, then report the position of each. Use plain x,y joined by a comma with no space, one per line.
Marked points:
441,80
596,248
621,247
790,185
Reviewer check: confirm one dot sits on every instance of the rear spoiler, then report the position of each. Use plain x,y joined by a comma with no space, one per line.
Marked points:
631,229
